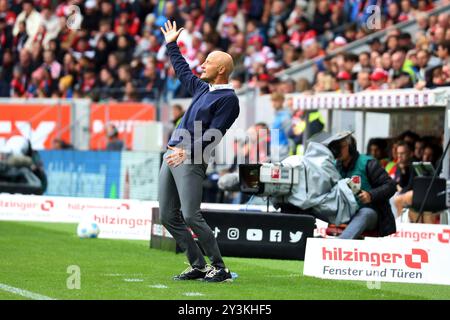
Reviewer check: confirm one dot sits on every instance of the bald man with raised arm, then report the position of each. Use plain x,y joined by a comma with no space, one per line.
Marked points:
213,110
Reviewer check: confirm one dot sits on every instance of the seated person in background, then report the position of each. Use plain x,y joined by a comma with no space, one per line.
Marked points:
114,143
432,153
391,166
404,198
409,137
404,175
404,172
418,149
377,148
377,187
60,144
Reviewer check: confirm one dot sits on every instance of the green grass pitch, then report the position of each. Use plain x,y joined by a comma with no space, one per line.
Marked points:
35,257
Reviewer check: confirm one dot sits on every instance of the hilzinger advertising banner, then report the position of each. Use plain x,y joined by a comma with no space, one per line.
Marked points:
385,259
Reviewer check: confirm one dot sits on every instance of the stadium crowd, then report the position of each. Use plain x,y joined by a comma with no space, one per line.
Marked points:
118,53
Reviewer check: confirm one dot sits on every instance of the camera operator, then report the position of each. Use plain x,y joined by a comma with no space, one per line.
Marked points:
374,211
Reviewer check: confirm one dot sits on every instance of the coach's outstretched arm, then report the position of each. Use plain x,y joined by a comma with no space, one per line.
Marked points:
184,73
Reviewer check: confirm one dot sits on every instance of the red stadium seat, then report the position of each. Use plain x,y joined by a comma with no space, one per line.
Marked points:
335,231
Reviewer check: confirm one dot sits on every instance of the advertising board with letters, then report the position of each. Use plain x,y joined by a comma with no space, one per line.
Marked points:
378,259
117,218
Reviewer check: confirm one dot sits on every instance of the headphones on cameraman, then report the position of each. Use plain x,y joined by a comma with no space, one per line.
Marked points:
352,145
335,146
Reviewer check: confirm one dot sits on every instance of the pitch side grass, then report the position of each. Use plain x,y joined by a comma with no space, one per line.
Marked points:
43,258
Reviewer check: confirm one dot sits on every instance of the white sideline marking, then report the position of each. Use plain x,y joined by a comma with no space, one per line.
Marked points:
193,294
24,293
159,286
133,280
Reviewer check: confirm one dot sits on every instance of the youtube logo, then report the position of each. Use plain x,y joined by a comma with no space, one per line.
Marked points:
254,234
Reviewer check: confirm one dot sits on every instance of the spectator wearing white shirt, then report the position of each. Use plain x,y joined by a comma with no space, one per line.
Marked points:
33,21
231,16
258,53
51,24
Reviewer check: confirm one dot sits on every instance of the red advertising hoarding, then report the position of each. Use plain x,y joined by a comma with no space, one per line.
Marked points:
40,123
123,115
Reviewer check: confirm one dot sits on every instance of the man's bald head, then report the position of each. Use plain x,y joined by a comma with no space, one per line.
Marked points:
217,67
224,60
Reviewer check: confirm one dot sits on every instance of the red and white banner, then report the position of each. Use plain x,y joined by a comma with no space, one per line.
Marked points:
134,225
40,123
117,219
423,233
388,260
123,115
385,99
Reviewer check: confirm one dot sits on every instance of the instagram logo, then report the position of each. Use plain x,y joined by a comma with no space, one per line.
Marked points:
233,233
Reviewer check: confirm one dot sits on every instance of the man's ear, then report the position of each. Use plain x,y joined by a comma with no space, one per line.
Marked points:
221,70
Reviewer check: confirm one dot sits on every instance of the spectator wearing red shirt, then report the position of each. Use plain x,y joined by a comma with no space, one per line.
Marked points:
130,21
8,15
88,82
18,83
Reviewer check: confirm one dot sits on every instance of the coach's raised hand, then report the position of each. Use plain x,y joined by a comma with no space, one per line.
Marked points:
170,31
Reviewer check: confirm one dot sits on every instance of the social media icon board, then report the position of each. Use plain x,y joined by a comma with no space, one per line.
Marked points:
275,236
254,234
216,232
233,233
295,237
257,235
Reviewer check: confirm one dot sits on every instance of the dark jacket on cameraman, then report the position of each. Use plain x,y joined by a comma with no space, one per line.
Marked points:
381,189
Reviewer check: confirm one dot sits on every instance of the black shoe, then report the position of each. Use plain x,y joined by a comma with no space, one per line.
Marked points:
193,274
218,275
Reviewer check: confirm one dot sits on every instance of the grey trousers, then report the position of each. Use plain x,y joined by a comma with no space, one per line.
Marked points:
181,188
364,219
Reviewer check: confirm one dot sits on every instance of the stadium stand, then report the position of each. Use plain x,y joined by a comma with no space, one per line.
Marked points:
117,52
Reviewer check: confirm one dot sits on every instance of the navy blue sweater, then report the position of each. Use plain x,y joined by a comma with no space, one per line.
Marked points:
216,109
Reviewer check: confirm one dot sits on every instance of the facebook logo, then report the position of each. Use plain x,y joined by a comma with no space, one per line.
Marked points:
275,236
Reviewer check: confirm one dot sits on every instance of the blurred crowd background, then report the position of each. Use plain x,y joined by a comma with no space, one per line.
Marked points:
117,53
